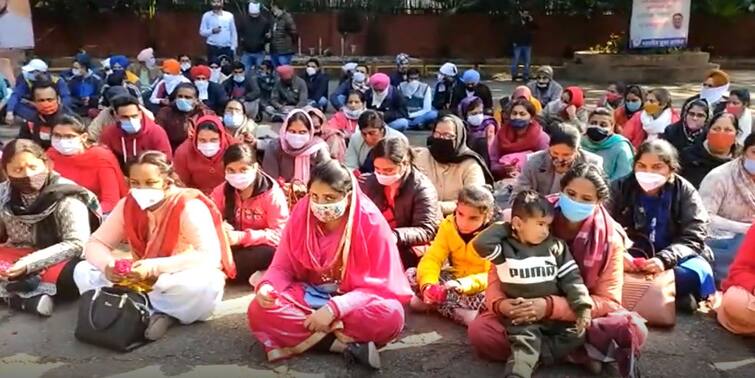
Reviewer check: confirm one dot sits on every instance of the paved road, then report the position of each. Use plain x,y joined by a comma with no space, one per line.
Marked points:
429,347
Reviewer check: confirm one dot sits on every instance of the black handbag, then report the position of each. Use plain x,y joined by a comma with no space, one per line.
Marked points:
113,317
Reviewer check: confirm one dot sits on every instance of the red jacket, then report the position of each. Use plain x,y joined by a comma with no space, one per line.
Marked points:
264,213
195,169
742,270
150,137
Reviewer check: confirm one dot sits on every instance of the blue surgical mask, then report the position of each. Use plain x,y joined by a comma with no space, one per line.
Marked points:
233,120
185,105
518,123
574,211
131,125
633,106
749,166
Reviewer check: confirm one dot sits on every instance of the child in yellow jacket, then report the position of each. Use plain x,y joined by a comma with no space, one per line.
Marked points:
451,278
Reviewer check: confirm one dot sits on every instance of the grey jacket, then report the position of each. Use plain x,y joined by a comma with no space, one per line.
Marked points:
538,173
284,34
295,94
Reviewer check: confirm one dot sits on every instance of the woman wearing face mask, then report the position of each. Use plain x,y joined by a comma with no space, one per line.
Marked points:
199,160
520,136
613,99
691,126
44,220
243,129
347,118
254,210
93,167
336,283
651,122
449,163
544,170
598,244
180,119
178,247
615,150
717,147
333,138
405,196
728,193
666,218
165,87
569,109
634,100
292,156
739,105
481,127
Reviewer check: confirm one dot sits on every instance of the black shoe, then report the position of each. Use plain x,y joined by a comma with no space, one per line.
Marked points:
686,303
363,353
41,305
24,285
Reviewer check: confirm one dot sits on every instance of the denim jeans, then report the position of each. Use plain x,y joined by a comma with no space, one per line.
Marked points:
400,124
521,53
694,276
427,118
725,250
282,59
252,60
321,104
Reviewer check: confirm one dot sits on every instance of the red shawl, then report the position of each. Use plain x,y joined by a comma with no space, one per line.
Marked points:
509,142
225,139
165,238
93,159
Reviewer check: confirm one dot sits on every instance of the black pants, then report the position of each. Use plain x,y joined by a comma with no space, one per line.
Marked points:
216,51
408,257
67,289
251,259
546,341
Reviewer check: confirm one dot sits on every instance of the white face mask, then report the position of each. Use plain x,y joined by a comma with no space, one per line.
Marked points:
297,140
311,71
147,197
67,146
209,149
476,119
185,66
76,71
650,181
239,78
329,212
150,63
241,181
386,180
202,85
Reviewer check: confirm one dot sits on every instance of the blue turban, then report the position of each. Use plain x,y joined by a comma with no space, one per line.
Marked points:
471,77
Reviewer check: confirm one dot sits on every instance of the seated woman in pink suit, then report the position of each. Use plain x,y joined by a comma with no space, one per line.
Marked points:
336,282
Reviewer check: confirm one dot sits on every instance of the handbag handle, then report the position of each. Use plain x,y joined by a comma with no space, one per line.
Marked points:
124,297
638,235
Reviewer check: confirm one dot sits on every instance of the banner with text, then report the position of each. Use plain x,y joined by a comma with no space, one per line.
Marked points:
15,25
659,23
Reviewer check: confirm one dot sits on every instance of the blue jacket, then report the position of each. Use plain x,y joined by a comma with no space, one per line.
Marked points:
317,85
23,91
86,86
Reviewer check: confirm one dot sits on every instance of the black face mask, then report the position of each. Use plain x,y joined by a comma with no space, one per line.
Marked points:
597,134
468,237
471,88
442,150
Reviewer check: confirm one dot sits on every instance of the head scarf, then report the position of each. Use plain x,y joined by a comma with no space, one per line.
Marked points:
462,151
200,71
509,141
470,77
380,81
225,140
577,96
285,72
120,60
145,55
522,91
301,155
171,66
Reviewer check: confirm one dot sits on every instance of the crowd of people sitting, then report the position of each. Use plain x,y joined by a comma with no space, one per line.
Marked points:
337,221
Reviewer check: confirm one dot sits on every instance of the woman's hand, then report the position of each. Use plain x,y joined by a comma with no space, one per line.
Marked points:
529,311
143,270
110,273
16,270
453,285
320,320
629,265
266,296
571,111
653,266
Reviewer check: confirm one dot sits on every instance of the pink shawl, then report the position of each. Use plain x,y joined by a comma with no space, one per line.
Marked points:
370,257
301,155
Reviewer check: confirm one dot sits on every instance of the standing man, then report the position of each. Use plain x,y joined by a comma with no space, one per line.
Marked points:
284,36
521,35
254,32
219,27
